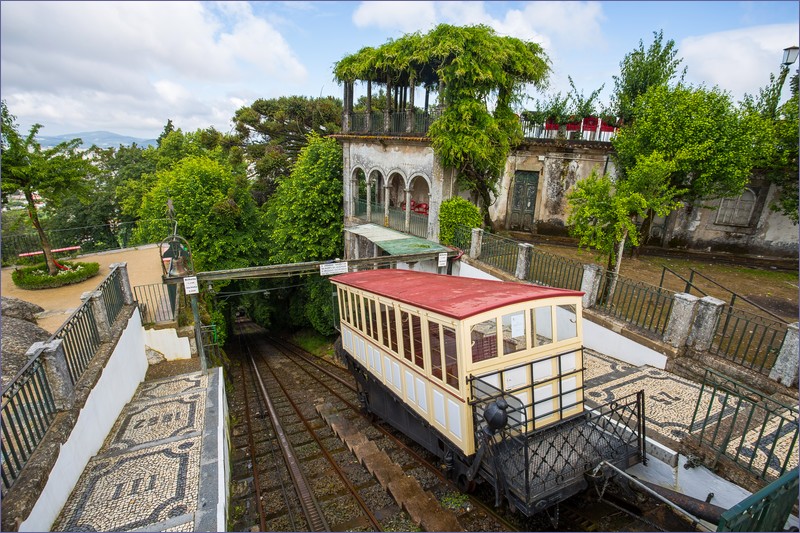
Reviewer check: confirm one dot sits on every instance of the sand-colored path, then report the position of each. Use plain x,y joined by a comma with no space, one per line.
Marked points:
144,268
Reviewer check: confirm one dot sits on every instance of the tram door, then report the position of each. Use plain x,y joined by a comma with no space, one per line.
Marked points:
523,200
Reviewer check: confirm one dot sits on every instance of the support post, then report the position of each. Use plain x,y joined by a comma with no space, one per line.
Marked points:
407,225
124,281
95,300
386,204
369,200
410,108
590,284
54,362
524,256
475,243
369,106
198,333
679,323
387,113
785,369
705,321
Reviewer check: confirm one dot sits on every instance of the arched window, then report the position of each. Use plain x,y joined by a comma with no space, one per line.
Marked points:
736,211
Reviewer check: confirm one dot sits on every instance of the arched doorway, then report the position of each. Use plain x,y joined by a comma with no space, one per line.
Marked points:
359,194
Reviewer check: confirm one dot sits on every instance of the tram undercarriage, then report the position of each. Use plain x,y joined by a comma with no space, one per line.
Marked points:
532,471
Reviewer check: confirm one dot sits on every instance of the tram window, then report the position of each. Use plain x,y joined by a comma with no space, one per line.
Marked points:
405,323
567,322
392,328
514,332
367,318
450,357
384,325
346,306
434,336
373,316
542,326
484,341
416,335
357,312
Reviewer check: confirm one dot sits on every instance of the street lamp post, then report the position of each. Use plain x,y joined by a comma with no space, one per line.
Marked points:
790,55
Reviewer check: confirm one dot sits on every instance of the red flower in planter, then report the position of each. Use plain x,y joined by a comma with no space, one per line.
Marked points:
590,123
573,126
550,126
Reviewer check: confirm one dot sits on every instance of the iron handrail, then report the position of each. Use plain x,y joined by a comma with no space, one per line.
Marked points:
735,295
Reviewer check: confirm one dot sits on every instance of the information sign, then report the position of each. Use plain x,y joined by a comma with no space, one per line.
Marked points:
190,285
329,269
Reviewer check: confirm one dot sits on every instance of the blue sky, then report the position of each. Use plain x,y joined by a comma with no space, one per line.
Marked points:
127,67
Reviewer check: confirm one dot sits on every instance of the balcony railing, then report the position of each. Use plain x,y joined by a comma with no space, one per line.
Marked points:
402,123
417,223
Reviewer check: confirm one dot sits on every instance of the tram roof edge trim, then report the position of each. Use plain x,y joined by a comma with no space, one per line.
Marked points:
453,296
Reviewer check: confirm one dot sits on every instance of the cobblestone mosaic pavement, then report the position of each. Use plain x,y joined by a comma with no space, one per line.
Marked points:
146,476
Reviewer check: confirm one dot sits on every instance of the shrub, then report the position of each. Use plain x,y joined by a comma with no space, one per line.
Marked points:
457,212
37,277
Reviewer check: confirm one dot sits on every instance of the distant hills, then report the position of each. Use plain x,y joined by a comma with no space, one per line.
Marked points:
101,139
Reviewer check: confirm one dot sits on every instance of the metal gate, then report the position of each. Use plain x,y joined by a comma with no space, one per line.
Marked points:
523,200
766,510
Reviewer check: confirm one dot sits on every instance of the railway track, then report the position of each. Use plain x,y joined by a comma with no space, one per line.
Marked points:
328,477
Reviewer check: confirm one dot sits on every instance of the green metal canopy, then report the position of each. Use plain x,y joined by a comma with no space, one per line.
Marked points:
394,242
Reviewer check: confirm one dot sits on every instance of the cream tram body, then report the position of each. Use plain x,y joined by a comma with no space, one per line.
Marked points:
423,335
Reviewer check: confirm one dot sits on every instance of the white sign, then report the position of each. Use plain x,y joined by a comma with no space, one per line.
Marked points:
329,269
190,285
443,259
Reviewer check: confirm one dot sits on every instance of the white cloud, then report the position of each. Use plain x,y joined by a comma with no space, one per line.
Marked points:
154,59
403,16
739,61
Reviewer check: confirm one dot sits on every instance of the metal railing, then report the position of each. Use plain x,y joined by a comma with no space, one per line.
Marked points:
90,238
554,271
756,431
462,238
418,224
27,412
766,510
642,304
157,302
398,122
499,252
750,340
81,339
28,404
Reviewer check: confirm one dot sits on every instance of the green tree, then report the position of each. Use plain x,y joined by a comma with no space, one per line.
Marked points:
305,213
603,213
213,208
272,132
642,69
49,174
777,155
455,212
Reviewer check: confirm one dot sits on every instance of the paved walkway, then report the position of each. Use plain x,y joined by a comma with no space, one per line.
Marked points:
158,468
144,268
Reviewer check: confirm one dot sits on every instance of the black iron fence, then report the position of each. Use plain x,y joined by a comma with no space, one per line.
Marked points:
28,406
554,271
91,239
499,252
766,510
418,223
747,339
642,304
157,302
756,431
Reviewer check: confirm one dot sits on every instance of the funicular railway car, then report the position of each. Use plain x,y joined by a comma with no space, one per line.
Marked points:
487,375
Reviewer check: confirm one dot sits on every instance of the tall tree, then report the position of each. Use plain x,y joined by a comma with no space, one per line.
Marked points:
603,212
642,69
272,133
41,174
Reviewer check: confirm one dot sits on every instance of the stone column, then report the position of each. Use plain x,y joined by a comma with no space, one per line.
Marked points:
369,200
54,362
679,323
125,282
785,369
408,210
369,106
590,284
524,256
705,321
95,300
475,243
386,204
410,108
387,113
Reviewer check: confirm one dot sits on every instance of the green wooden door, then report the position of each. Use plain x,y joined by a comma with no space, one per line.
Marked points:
523,200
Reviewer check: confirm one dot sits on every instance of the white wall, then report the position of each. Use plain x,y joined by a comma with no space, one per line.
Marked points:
167,343
118,382
614,345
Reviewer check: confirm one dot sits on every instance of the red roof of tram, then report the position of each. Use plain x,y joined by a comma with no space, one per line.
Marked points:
452,296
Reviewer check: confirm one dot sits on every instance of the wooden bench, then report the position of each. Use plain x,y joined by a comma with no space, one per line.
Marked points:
55,250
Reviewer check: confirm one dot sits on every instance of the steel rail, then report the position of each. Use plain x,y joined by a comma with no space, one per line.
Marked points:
296,350
327,455
313,512
262,520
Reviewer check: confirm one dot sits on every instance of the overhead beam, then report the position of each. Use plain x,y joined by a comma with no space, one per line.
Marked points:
311,267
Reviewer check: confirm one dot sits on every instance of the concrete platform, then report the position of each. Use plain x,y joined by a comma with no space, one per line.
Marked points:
164,465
